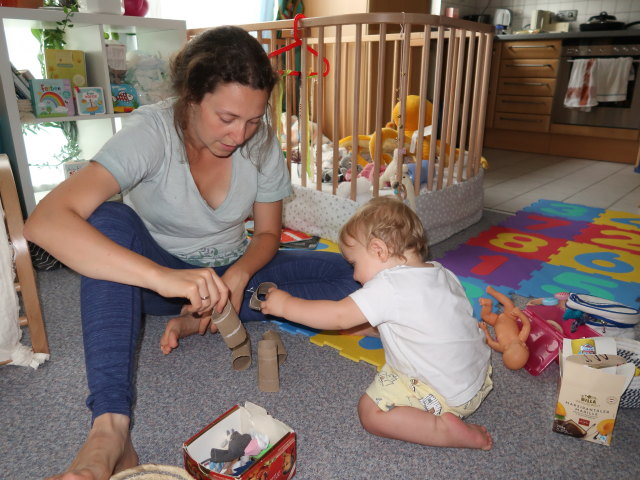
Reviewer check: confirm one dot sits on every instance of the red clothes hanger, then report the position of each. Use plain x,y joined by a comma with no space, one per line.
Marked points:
296,43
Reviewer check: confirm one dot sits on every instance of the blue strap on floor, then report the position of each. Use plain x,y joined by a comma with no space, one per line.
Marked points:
604,311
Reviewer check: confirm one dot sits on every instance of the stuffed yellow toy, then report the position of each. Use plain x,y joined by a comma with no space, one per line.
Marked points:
412,110
363,146
389,144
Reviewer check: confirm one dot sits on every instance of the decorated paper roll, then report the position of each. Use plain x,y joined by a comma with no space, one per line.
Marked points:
229,325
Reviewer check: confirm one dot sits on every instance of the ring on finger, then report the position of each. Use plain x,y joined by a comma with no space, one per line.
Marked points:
206,297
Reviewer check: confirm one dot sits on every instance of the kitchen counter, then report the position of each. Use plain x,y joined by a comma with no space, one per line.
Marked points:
632,32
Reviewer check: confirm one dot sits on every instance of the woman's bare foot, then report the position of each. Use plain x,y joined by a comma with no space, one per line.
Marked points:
108,450
464,435
183,326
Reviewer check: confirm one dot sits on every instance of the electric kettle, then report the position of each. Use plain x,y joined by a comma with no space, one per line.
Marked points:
502,16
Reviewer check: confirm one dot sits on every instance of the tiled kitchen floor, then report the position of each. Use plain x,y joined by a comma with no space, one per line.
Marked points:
516,179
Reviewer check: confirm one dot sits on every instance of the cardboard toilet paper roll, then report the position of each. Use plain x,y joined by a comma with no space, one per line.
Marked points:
241,355
280,349
255,302
230,327
268,374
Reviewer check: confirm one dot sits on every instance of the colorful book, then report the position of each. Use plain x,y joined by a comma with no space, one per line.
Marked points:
21,85
290,238
89,100
124,97
68,64
52,97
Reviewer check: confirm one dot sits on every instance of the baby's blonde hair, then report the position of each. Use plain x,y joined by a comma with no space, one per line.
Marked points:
389,220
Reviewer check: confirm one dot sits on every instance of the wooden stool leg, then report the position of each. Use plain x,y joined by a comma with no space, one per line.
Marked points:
24,268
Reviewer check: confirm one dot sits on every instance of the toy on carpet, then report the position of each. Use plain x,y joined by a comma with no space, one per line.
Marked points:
354,347
614,319
510,338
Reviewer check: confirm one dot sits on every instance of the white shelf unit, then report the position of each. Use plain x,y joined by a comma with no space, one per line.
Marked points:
153,36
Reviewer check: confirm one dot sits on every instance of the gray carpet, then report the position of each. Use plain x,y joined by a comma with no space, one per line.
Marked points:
44,420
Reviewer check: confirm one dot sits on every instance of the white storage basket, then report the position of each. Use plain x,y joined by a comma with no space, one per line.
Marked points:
630,350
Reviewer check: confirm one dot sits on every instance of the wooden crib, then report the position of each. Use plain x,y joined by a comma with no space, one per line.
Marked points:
368,77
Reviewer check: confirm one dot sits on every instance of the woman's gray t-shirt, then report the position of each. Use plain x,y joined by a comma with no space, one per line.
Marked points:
148,161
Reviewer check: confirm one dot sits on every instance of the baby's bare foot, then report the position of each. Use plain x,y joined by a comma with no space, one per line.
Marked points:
466,435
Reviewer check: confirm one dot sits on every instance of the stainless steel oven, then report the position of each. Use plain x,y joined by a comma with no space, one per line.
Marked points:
622,114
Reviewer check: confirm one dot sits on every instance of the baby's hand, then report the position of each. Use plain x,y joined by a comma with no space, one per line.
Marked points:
273,304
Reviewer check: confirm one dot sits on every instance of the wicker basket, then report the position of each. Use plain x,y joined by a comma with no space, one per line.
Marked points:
153,472
630,350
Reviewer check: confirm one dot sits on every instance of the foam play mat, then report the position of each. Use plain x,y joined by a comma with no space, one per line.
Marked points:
546,248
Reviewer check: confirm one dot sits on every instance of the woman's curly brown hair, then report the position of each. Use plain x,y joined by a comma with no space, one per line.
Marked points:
216,57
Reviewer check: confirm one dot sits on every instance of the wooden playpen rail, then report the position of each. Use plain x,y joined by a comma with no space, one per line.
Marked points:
441,59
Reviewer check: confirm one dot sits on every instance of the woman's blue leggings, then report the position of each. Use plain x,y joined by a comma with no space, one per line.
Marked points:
112,312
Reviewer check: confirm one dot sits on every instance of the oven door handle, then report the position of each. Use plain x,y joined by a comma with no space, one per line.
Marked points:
532,46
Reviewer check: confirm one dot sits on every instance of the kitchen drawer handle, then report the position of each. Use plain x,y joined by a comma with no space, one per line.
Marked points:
528,84
517,119
523,101
516,65
532,46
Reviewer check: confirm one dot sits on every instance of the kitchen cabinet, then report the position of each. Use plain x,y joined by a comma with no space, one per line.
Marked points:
152,36
526,84
522,89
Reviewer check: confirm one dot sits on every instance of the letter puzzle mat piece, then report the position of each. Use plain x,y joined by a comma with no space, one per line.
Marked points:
546,248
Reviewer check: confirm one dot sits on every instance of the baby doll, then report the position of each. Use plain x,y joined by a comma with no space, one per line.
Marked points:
510,339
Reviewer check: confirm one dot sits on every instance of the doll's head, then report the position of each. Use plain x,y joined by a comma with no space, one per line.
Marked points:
515,355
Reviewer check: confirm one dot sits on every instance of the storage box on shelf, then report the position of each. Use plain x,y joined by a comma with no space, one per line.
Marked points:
153,36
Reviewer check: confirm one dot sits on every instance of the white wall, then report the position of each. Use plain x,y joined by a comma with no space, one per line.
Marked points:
624,10
210,13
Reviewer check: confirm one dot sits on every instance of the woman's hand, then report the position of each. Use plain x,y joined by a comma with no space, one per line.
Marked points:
202,287
236,280
274,302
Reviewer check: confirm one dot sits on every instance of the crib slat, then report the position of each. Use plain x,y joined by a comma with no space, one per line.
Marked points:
465,106
320,110
356,111
337,120
375,178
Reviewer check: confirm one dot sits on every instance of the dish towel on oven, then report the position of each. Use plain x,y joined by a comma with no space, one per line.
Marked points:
612,78
581,91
